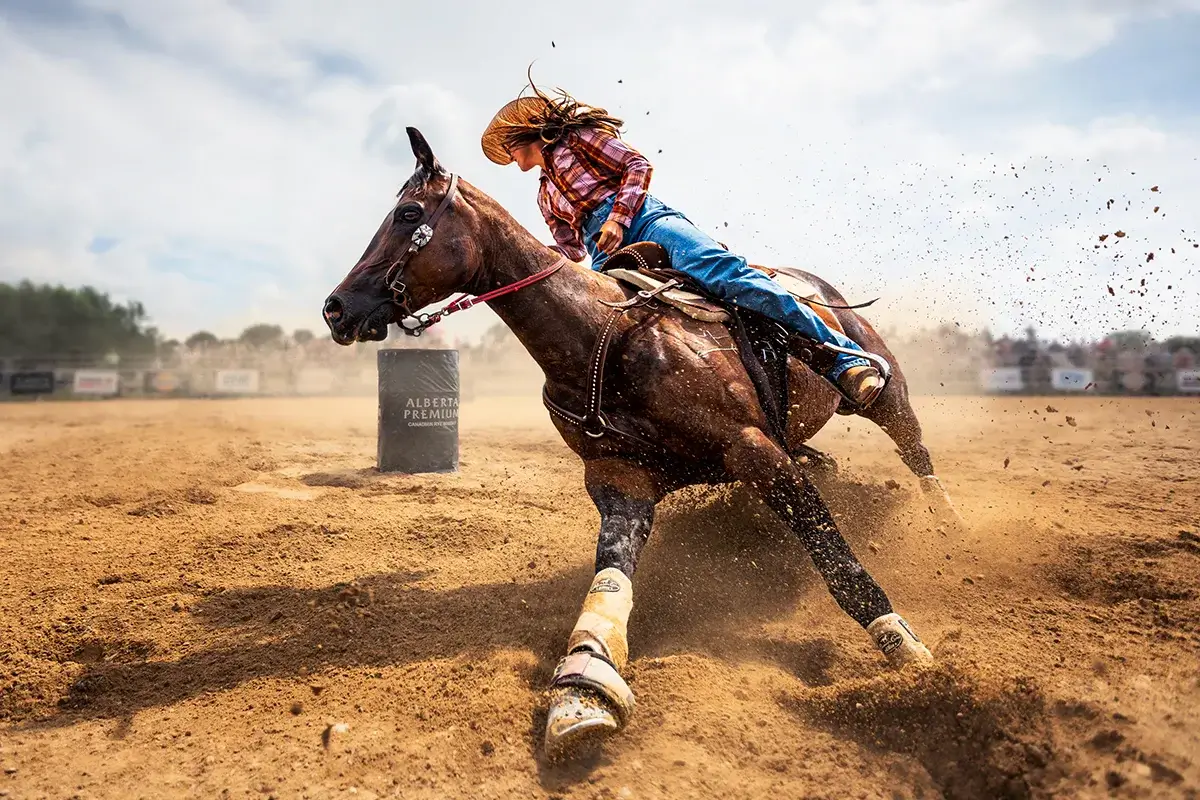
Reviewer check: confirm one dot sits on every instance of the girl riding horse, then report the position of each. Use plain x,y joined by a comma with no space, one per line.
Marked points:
594,195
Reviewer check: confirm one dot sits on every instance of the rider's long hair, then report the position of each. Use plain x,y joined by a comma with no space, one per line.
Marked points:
561,116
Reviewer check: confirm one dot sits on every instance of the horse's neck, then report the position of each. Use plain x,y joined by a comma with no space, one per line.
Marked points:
558,318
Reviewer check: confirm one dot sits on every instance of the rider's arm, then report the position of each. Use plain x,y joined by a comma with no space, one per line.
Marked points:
570,242
612,154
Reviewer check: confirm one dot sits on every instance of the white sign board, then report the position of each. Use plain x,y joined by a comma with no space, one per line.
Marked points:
315,380
237,381
1071,380
96,381
1001,379
1188,380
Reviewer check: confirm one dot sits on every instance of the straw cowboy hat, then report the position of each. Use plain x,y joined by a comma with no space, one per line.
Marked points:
520,113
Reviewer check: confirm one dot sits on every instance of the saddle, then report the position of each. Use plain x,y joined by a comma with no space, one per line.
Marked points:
646,266
762,344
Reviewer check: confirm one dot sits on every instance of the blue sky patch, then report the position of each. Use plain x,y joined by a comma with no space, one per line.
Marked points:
100,244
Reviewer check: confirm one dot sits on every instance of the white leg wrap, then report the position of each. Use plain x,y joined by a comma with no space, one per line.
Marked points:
603,624
897,641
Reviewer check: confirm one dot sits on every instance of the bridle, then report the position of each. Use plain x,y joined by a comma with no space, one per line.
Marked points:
415,324
420,237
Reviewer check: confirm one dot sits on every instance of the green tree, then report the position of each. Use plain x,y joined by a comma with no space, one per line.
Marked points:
1190,342
41,319
261,335
200,339
1131,340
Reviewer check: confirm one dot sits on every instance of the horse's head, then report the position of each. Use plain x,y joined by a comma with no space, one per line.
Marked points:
417,257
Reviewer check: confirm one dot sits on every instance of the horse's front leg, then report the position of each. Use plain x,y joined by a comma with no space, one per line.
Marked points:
589,698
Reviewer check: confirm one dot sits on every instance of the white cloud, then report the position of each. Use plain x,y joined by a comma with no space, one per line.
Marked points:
242,181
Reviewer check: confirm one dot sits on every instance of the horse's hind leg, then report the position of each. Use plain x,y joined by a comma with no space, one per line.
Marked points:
589,698
759,462
893,412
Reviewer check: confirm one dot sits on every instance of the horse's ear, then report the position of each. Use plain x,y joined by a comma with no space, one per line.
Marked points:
427,162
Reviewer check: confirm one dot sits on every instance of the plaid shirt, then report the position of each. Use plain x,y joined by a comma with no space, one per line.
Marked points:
581,172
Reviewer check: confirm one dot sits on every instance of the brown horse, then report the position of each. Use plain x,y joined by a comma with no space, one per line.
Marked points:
687,403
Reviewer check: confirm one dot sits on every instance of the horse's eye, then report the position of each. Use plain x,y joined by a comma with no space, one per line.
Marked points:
411,214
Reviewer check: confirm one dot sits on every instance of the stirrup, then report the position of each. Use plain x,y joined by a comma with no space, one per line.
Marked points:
879,362
820,357
849,406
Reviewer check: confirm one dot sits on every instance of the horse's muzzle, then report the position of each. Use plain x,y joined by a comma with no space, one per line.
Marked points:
334,314
346,326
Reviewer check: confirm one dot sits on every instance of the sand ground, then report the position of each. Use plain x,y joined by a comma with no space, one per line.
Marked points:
195,591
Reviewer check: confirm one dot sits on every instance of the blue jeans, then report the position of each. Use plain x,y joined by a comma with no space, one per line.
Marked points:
726,275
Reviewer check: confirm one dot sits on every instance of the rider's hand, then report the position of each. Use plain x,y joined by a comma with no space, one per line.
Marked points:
609,240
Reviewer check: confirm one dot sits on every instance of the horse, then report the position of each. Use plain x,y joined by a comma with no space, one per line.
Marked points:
677,410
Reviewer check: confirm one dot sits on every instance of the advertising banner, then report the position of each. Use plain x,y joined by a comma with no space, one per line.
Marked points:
31,382
166,381
1001,379
237,381
1071,380
96,382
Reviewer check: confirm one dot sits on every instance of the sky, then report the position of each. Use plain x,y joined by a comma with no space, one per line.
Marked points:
225,162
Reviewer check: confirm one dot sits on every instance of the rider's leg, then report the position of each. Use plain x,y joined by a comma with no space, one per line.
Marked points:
729,277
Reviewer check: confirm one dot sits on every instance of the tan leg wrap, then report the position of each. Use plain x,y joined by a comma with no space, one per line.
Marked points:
896,639
602,626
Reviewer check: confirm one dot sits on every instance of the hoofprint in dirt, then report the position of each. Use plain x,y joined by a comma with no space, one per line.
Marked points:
203,596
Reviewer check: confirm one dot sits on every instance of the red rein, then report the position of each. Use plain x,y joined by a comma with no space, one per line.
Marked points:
463,302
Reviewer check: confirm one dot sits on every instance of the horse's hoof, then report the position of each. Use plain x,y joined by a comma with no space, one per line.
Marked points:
896,640
815,461
940,503
578,722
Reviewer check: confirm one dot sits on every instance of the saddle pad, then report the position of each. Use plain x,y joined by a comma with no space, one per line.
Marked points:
805,290
689,303
796,285
698,307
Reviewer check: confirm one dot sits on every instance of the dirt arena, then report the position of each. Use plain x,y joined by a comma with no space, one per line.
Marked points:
195,591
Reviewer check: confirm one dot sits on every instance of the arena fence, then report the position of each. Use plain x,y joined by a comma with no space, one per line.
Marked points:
1022,380
361,379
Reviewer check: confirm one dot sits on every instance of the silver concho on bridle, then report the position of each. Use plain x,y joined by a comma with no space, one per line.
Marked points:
422,235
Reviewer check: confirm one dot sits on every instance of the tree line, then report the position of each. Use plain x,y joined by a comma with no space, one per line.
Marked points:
46,320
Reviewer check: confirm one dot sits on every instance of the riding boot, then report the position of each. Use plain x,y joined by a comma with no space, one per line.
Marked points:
860,384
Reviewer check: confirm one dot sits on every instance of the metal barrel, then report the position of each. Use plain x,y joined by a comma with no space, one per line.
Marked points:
418,410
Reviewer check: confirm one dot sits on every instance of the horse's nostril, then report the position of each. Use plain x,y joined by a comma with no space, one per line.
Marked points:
333,308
